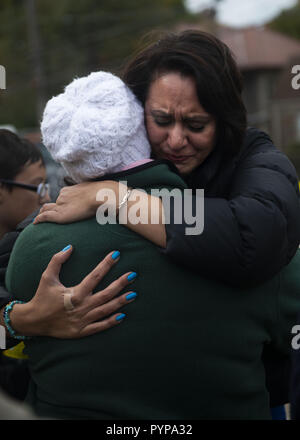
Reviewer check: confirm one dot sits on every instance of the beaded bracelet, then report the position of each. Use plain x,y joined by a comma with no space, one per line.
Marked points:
7,321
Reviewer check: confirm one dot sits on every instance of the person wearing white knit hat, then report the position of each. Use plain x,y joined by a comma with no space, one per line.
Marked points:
95,127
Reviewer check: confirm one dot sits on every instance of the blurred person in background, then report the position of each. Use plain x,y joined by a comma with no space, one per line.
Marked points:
23,190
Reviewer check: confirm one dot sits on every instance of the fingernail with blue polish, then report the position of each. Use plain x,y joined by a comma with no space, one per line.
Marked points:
115,255
119,317
132,276
66,248
131,296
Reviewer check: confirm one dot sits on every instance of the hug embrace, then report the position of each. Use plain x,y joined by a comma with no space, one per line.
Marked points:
208,329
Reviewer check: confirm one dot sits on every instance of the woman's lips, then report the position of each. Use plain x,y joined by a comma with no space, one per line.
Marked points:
178,159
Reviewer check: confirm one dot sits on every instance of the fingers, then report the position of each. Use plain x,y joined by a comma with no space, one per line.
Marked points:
107,294
54,266
49,216
102,304
45,208
89,283
97,327
110,307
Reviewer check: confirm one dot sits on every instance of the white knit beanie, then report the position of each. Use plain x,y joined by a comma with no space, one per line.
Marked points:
95,127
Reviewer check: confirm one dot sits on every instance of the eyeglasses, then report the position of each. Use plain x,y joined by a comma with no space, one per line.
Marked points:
41,189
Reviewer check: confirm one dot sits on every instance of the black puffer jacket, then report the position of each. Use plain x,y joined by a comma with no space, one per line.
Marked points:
251,215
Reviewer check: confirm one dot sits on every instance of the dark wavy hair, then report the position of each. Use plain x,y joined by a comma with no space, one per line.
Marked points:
210,62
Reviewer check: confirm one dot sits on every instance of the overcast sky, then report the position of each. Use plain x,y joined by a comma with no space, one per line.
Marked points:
243,12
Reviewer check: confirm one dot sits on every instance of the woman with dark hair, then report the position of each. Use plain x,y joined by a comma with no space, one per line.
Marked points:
191,89
181,354
209,62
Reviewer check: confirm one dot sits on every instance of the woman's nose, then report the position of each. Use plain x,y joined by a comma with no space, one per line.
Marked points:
176,138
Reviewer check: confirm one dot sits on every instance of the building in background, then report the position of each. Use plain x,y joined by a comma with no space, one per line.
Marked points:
265,58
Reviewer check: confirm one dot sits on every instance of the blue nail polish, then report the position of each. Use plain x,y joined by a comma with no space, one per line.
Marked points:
119,317
131,296
132,276
66,248
115,255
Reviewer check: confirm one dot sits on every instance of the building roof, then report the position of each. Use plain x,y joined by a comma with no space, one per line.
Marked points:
259,47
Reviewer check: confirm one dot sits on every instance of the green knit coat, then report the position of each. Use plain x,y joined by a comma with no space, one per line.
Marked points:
189,348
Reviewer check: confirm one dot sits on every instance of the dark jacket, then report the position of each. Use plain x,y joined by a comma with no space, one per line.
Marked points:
6,246
251,215
189,348
14,376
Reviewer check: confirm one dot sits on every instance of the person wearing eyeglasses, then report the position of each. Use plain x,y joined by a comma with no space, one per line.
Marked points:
22,192
22,181
41,189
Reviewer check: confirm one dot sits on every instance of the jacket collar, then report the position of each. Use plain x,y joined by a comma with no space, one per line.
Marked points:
158,173
203,176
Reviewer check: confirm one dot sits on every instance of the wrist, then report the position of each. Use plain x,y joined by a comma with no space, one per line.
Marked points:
93,204
109,192
22,319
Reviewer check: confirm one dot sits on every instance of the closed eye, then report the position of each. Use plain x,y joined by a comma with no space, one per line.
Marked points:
195,124
196,128
162,121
